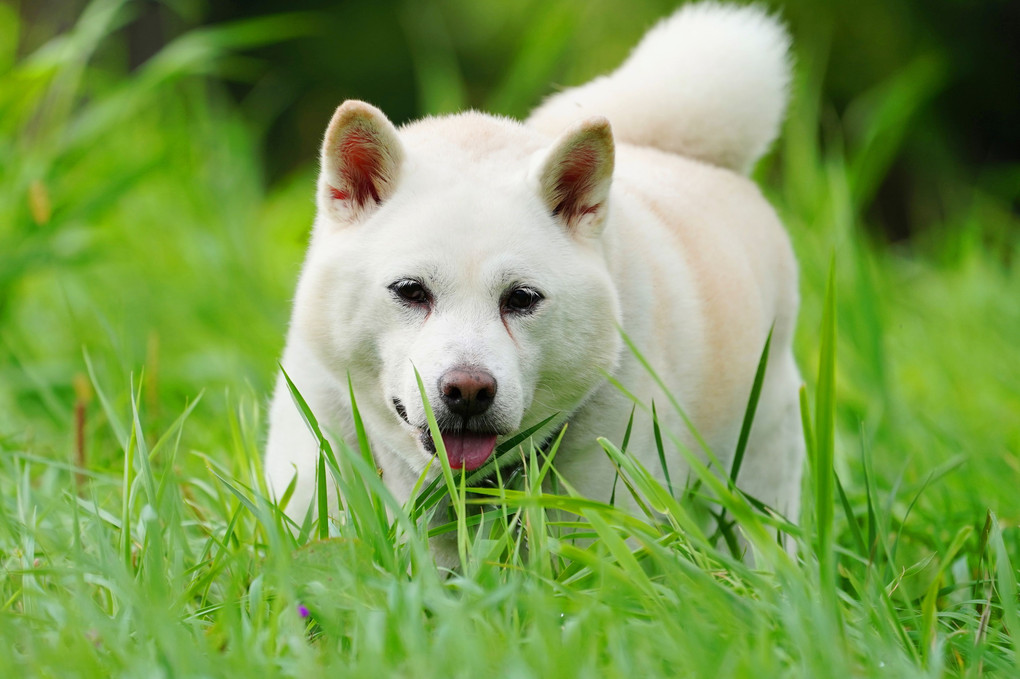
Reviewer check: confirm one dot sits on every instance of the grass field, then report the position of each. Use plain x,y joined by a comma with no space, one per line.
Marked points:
145,276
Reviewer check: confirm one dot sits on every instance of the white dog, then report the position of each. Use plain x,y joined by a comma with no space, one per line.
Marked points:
501,260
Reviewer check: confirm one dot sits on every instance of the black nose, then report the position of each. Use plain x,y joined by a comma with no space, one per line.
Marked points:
467,391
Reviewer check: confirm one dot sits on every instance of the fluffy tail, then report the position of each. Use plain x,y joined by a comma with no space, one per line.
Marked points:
709,82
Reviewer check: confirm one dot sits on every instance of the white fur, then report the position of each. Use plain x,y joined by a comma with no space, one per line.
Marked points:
686,257
710,82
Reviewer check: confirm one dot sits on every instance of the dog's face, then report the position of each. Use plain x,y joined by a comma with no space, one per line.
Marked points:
468,252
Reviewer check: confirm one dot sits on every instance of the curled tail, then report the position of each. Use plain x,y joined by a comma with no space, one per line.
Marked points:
709,82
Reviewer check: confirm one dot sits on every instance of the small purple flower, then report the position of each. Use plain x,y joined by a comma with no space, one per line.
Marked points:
302,610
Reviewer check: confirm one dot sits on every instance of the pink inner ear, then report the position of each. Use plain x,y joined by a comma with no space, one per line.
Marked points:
576,180
360,161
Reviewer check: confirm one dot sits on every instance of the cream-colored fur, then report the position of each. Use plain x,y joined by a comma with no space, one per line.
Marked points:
620,204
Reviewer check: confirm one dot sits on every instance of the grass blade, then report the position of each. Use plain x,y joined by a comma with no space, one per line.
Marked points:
1006,584
825,434
623,449
456,498
752,406
657,434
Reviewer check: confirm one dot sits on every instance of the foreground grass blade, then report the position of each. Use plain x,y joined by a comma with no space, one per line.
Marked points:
310,420
752,406
824,432
660,449
364,447
1006,583
623,449
633,348
456,497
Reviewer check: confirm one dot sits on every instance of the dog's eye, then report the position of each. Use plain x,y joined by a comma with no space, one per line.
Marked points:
411,292
521,300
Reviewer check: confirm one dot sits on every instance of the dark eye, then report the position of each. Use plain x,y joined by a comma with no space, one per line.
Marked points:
521,301
411,292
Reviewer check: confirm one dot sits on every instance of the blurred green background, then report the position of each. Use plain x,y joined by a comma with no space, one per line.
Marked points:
157,164
412,58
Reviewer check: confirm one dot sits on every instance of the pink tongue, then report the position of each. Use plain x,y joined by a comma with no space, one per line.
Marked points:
469,451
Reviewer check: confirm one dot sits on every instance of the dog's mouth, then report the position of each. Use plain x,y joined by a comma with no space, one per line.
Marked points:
466,448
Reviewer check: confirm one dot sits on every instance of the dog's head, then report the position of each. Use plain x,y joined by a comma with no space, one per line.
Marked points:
469,249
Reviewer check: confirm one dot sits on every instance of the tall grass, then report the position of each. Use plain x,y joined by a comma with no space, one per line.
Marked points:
135,533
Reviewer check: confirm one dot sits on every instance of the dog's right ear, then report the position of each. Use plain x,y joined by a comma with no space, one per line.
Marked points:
361,158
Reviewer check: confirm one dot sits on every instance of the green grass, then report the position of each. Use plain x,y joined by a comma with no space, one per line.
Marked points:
145,273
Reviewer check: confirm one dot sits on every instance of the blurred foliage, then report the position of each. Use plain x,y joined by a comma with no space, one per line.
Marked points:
97,164
411,57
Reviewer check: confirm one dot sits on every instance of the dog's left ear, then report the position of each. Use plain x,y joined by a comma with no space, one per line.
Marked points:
576,174
361,159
